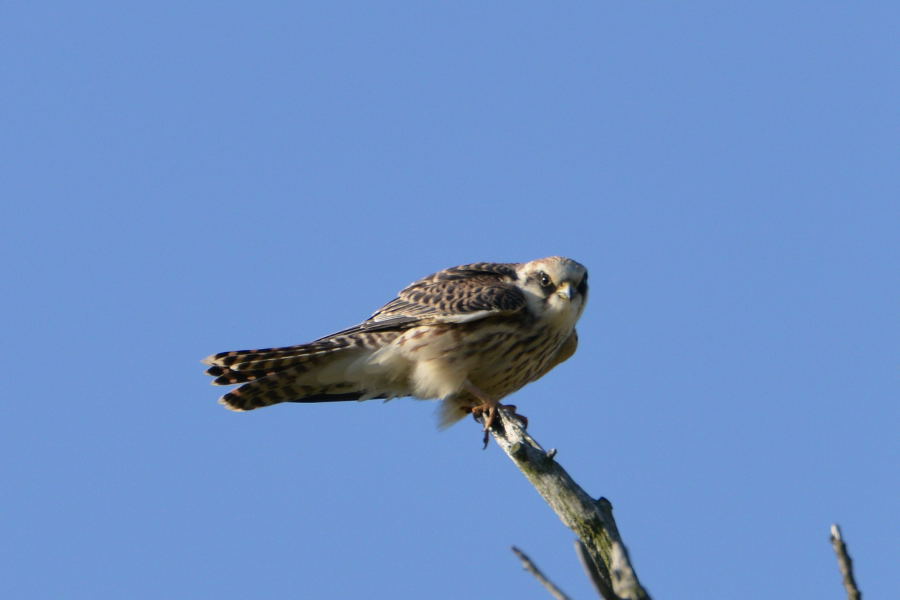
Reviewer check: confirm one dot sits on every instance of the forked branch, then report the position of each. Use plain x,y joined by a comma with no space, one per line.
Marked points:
591,520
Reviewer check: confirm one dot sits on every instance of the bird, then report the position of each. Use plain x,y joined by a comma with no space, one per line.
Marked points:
468,335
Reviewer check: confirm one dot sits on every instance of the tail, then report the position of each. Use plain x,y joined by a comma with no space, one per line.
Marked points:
313,372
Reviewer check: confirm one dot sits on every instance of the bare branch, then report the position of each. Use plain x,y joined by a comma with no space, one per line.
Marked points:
592,521
844,563
532,568
593,574
625,583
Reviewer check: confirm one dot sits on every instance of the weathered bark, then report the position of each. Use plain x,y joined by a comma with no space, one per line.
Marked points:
591,520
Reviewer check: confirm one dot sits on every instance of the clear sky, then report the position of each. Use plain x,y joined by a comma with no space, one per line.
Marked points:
184,178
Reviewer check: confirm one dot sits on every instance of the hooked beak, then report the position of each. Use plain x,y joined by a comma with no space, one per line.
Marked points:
565,290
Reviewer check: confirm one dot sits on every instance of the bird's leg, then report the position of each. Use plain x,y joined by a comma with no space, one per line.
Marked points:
486,412
487,407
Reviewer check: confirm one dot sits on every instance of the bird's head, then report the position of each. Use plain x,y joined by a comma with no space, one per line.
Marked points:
556,288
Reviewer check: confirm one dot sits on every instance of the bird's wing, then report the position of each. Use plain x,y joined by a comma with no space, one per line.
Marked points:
456,295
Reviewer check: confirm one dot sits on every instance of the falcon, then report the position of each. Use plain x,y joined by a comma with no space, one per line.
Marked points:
468,335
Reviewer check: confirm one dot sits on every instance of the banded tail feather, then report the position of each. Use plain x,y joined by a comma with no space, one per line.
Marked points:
326,370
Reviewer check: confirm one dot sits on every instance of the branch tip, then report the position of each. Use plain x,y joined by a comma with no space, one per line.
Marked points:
845,563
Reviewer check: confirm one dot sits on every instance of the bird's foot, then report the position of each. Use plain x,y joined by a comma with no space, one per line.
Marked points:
487,415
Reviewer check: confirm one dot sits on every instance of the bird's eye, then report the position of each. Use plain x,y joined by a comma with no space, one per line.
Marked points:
544,279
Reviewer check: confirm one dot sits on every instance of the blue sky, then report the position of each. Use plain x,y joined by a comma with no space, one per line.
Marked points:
186,178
